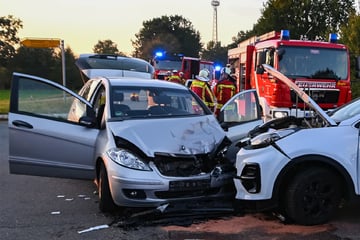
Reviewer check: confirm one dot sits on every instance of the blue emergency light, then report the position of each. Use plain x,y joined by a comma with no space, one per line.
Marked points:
217,68
333,37
285,35
159,54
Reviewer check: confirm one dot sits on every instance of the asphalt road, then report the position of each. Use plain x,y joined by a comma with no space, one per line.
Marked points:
51,208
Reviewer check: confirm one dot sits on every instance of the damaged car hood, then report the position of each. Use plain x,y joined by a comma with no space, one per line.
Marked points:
301,94
195,135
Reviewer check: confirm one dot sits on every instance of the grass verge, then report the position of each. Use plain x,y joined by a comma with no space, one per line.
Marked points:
4,101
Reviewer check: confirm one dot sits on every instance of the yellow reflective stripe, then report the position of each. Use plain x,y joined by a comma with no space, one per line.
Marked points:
198,83
221,87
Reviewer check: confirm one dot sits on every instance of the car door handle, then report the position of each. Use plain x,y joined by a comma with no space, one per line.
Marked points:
19,123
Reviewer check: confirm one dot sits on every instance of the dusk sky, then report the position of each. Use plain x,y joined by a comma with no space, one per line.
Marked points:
82,23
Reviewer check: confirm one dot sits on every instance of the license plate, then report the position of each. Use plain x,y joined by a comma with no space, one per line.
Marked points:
189,185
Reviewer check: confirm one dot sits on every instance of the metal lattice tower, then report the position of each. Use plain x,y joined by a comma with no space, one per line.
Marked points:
215,4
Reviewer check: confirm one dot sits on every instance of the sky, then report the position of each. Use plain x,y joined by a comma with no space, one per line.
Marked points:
82,23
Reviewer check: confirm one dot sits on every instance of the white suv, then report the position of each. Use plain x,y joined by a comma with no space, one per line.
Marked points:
301,167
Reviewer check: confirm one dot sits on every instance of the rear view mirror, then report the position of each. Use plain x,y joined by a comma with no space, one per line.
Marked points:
261,58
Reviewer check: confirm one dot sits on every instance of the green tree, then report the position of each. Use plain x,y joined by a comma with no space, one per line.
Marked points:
241,36
350,36
313,18
215,52
106,47
46,63
9,27
72,73
173,34
36,61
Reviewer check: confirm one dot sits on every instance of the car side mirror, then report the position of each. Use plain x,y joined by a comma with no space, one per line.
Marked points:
260,69
89,122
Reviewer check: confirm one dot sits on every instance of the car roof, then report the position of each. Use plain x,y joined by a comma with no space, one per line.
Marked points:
94,65
130,81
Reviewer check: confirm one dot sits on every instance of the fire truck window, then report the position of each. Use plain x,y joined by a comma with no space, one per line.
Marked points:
261,58
270,57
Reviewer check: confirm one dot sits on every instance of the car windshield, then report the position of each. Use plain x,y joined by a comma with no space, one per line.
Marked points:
168,64
143,102
312,62
346,111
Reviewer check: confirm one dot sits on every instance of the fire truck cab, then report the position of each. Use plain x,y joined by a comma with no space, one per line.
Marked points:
321,69
190,66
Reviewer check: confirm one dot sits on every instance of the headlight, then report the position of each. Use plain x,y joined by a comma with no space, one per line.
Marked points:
268,138
127,159
280,114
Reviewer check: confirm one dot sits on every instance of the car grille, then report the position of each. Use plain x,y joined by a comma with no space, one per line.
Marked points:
183,165
319,96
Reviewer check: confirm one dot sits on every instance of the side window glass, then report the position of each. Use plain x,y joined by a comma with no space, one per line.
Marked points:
44,100
88,89
242,108
99,103
270,57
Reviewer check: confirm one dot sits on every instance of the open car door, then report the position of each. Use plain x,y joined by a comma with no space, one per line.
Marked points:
42,139
241,114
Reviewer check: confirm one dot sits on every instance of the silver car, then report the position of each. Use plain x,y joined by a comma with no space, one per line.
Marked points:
145,142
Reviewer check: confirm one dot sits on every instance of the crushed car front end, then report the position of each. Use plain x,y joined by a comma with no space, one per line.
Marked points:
165,147
171,167
258,161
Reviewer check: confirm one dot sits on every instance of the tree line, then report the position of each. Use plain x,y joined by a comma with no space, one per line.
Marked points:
313,18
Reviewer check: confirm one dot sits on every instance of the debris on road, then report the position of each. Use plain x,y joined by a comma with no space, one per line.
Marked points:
181,214
93,228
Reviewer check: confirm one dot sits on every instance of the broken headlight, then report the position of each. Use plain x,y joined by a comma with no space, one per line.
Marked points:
266,139
127,159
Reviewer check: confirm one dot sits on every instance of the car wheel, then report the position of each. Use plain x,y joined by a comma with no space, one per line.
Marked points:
313,196
106,203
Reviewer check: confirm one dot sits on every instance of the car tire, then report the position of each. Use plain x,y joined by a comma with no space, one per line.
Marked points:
106,202
313,196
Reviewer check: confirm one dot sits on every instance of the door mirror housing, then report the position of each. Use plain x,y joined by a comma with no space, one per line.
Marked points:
87,121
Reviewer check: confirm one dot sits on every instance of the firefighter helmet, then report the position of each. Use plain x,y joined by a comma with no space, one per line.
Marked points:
203,75
226,70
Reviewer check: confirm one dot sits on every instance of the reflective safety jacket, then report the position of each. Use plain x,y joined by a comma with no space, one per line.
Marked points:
223,90
203,90
175,79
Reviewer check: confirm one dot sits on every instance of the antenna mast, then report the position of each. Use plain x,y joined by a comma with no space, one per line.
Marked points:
215,4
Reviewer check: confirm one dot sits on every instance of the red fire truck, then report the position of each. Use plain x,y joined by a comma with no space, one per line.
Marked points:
164,63
320,68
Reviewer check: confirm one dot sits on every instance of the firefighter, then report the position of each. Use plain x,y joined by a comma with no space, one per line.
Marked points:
200,86
182,77
168,75
224,89
175,78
